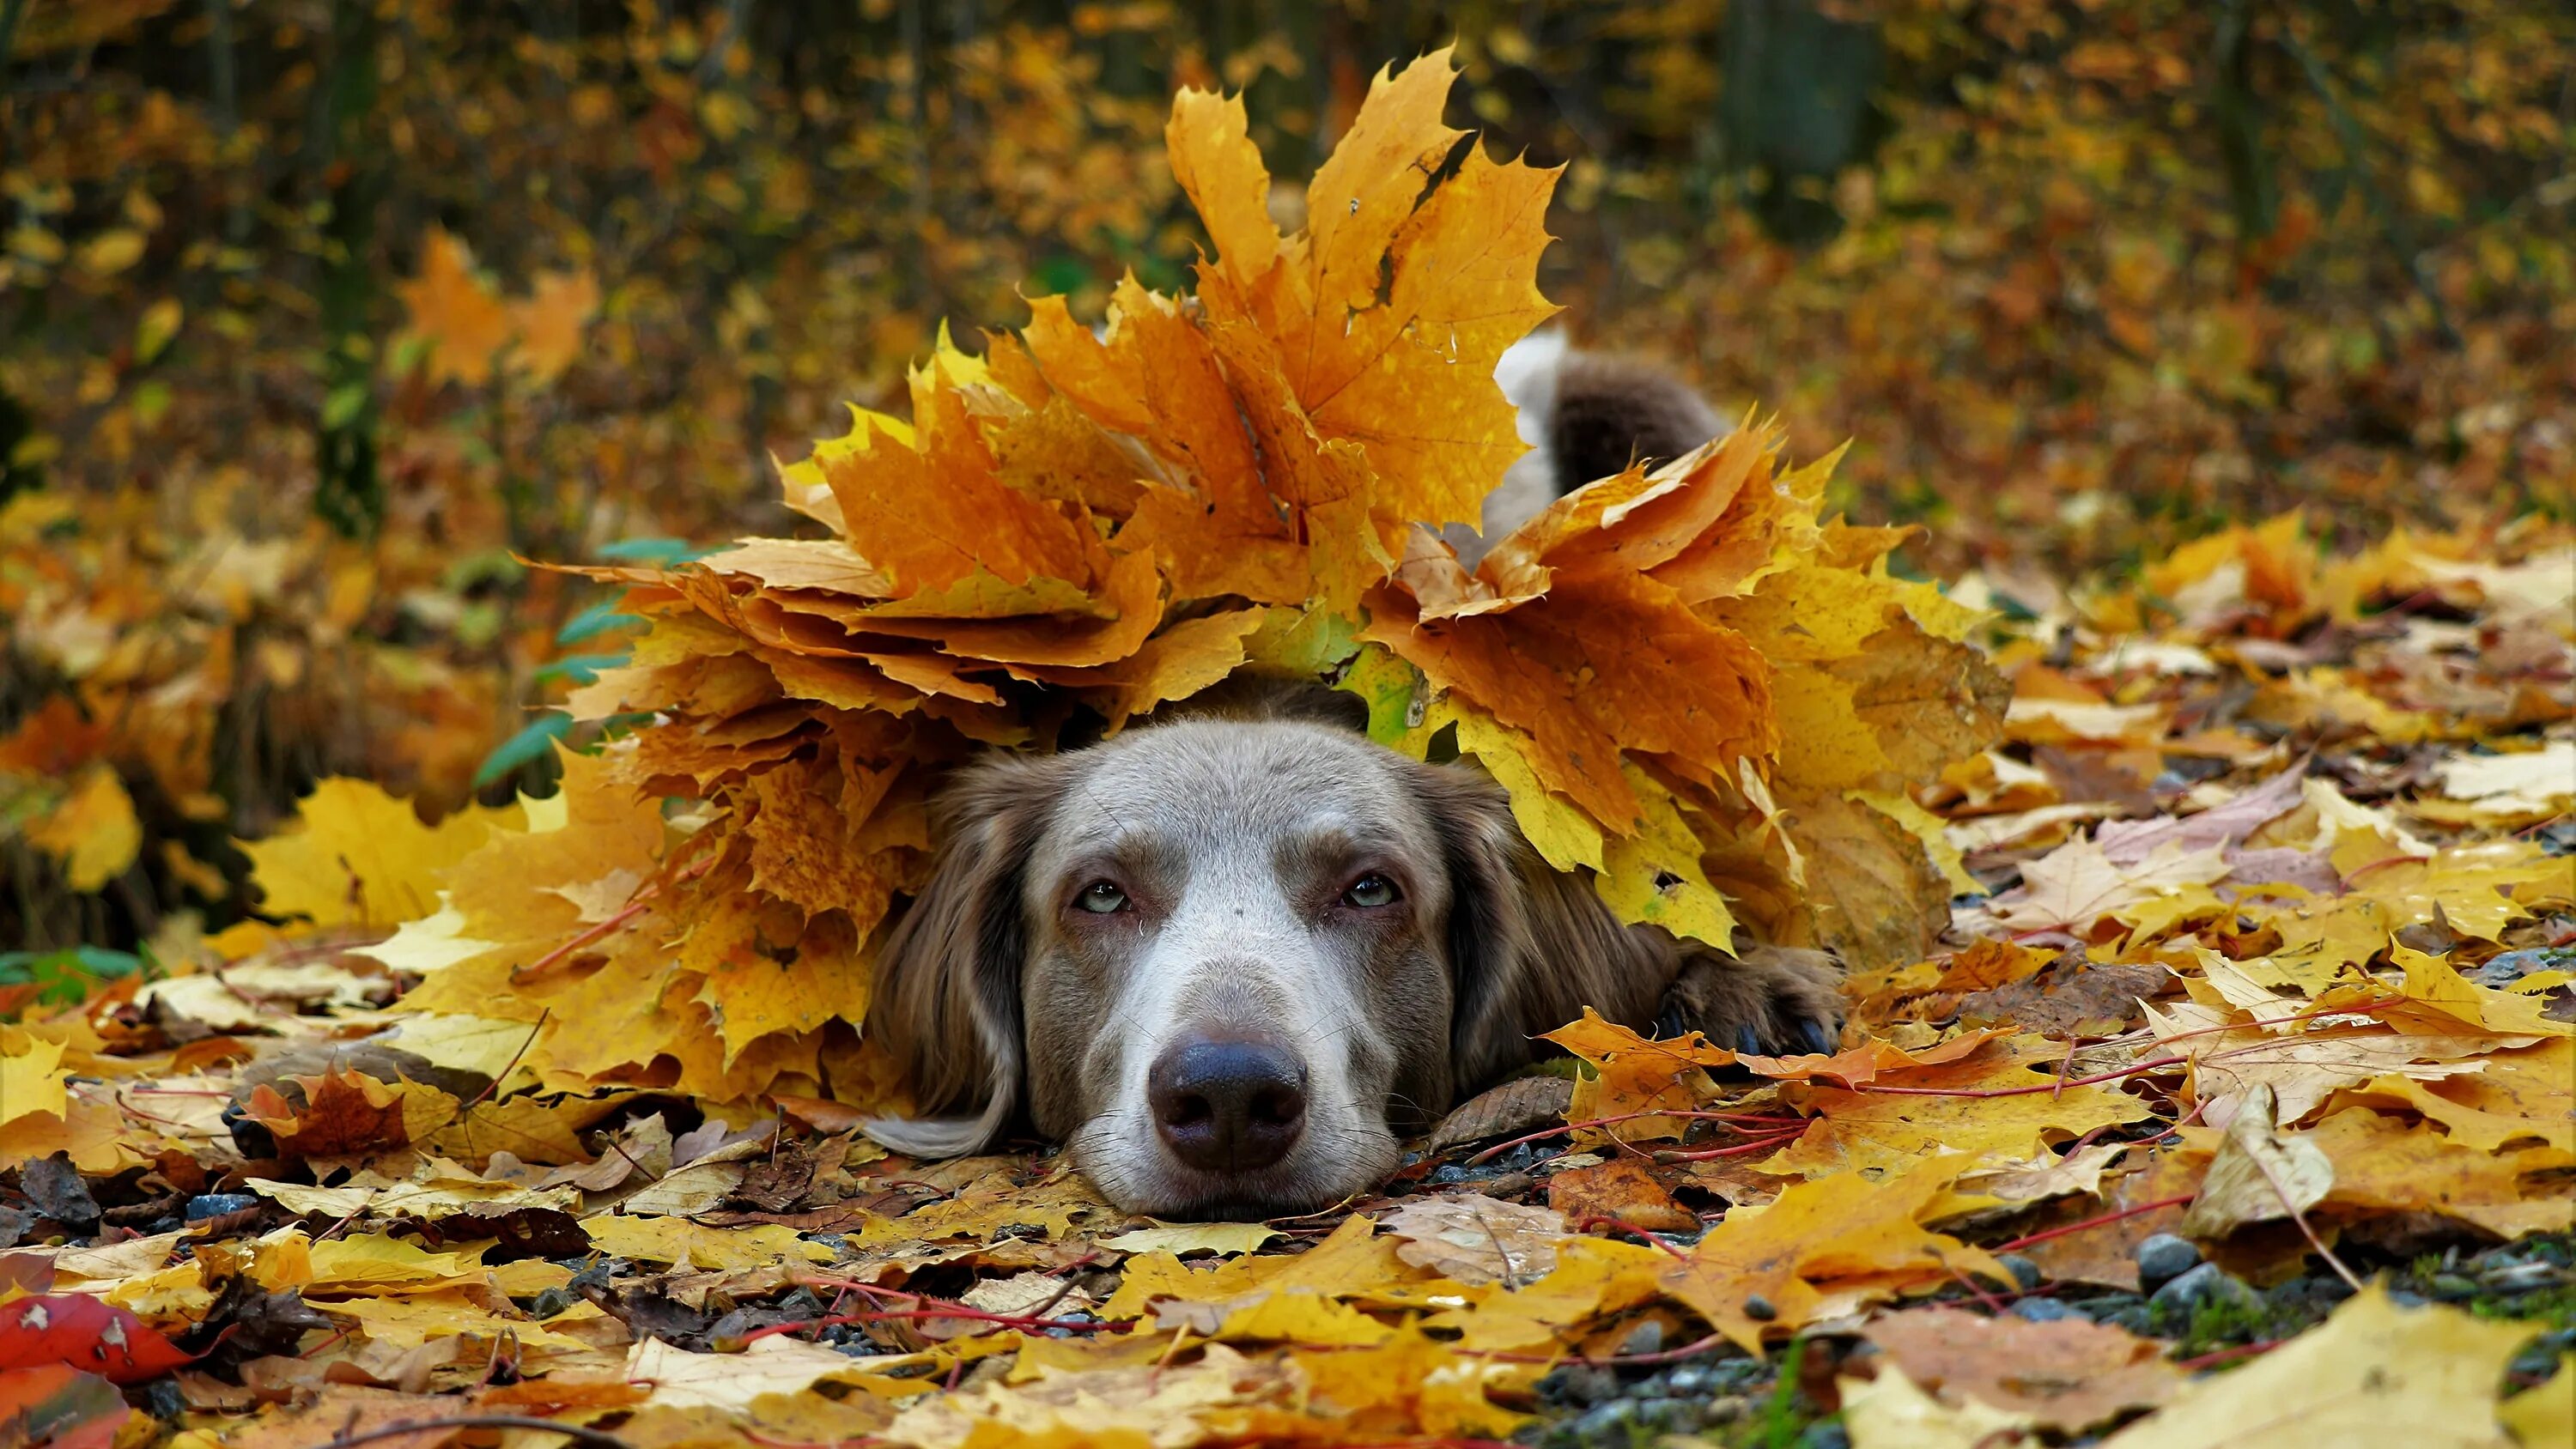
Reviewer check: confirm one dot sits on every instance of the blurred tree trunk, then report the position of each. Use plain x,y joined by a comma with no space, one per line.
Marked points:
1799,85
349,492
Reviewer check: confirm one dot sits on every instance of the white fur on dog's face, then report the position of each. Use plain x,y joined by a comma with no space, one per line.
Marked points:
1233,849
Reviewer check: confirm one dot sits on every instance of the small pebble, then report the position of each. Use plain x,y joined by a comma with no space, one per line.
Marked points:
1646,1337
1607,1421
216,1204
2512,966
1690,1381
1445,1174
2452,1288
2407,1298
1825,1435
1580,1384
2204,1284
2133,1317
2163,1258
1668,1414
2046,1310
1759,1309
2520,1277
2024,1271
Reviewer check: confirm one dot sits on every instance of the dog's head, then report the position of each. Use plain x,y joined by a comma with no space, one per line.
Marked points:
1226,961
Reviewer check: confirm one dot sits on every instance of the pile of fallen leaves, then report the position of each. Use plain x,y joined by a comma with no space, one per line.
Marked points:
2268,952
179,659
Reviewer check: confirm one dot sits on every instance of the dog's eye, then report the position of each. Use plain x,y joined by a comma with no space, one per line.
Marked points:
1101,898
1370,890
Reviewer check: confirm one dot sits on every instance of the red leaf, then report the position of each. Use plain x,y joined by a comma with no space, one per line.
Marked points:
87,1334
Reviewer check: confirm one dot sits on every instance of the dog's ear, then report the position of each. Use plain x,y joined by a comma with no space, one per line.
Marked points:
1529,947
947,997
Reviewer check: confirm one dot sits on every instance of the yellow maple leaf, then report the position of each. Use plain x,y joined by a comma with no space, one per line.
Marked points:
1636,1081
1759,1271
361,857
2373,1373
31,1081
455,311
549,322
92,830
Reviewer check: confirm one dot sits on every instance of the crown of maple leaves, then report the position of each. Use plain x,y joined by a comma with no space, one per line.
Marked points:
1692,688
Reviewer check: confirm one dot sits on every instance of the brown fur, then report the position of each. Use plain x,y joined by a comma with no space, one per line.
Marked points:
1610,411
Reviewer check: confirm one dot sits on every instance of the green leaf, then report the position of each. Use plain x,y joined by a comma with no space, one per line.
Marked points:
344,405
580,668
660,552
529,744
596,620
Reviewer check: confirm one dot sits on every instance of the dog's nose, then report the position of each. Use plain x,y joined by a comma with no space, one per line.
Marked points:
1228,1106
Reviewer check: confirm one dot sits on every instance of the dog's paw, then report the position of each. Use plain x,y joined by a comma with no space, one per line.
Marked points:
1769,1001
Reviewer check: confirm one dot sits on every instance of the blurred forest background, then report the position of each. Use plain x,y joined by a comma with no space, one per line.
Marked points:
316,315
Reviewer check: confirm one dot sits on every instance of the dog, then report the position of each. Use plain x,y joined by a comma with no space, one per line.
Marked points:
1232,960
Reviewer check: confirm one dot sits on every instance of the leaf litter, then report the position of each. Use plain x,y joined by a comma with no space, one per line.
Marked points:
546,1114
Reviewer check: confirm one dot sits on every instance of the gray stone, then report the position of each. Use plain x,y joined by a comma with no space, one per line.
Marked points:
1690,1381
2163,1258
1645,1338
1579,1383
2133,1318
2047,1310
1607,1421
1668,1414
2452,1288
2024,1271
2520,1277
217,1204
2204,1284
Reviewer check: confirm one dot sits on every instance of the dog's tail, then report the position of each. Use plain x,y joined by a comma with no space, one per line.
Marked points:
1586,415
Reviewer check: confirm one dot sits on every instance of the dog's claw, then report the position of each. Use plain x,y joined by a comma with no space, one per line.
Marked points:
1746,1042
1819,1040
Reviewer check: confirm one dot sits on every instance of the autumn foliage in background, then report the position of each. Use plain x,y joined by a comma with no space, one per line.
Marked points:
2203,868
313,318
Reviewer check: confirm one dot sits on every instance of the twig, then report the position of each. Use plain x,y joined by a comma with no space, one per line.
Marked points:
1618,1360
1587,1224
633,908
2242,1350
2052,1088
2301,1218
514,1061
578,1433
1690,1116
1703,1154
2095,1222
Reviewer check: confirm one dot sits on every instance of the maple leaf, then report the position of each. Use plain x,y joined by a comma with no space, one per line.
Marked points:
455,311
1476,1239
92,829
361,857
1758,1271
349,1112
2372,1372
2069,1374
1636,1081
2258,1174
2078,884
550,320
